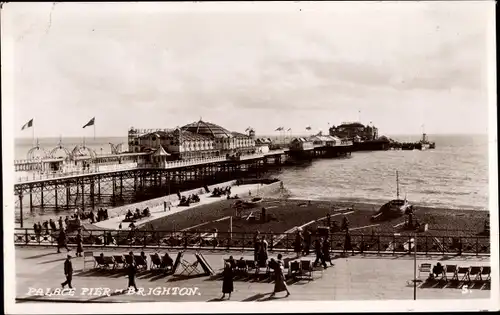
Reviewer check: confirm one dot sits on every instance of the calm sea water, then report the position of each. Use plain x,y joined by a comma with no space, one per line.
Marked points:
453,175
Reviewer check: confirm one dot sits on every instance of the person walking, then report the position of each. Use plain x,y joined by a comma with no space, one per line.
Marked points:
307,242
256,246
319,253
79,244
347,242
68,272
263,255
227,282
131,273
279,281
326,251
298,243
61,241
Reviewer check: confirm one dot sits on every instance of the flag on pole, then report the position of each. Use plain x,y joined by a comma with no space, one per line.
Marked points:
28,124
90,123
279,129
289,129
308,128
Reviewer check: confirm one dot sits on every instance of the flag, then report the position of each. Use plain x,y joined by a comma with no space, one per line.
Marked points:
279,129
28,124
289,129
90,123
308,128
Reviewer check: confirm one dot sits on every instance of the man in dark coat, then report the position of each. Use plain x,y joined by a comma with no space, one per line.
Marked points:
79,244
61,241
319,253
307,242
326,251
131,272
68,272
347,243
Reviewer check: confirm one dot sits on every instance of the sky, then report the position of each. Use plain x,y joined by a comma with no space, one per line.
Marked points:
400,66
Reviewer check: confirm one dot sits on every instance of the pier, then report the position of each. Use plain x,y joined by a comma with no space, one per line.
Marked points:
121,184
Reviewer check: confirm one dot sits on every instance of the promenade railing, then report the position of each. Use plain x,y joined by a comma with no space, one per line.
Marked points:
382,244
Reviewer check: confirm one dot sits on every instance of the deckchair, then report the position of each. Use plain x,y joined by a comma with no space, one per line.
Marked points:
450,270
188,268
119,260
463,274
155,261
424,268
485,271
109,261
99,262
141,262
306,268
474,273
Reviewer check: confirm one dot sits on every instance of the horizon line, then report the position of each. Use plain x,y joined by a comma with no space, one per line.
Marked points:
269,134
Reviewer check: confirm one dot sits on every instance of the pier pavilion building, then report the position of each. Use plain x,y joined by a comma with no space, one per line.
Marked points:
195,140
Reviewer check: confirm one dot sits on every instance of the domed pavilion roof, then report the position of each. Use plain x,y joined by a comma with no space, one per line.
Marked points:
207,129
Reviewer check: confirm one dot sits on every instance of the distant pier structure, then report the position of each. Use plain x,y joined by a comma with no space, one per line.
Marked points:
159,162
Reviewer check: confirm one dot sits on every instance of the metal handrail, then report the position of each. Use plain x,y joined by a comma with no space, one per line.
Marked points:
122,167
198,238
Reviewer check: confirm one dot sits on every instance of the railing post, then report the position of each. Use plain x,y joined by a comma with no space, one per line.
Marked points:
362,244
26,235
378,244
477,246
393,244
185,239
426,245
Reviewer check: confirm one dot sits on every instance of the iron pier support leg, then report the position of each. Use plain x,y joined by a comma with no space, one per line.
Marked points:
92,198
21,207
83,196
135,182
114,191
31,199
41,195
55,191
68,195
121,186
99,188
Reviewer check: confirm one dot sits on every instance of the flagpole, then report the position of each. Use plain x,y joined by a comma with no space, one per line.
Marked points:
33,135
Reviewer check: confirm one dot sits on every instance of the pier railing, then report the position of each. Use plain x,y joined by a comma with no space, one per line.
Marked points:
382,244
122,167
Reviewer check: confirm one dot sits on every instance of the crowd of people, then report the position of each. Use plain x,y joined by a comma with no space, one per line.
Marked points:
138,214
217,192
75,220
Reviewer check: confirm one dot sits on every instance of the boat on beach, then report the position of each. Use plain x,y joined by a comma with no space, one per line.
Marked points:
394,208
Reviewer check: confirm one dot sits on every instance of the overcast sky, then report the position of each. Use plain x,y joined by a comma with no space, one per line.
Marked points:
401,65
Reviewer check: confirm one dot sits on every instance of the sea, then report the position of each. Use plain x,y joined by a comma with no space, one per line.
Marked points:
454,175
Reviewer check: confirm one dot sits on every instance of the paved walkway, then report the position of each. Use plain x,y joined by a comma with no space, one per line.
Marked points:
352,278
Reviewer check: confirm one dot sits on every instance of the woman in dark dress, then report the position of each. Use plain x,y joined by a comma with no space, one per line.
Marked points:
347,243
79,244
298,243
227,281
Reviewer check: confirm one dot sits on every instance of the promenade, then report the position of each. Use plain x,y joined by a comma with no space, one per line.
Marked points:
352,278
